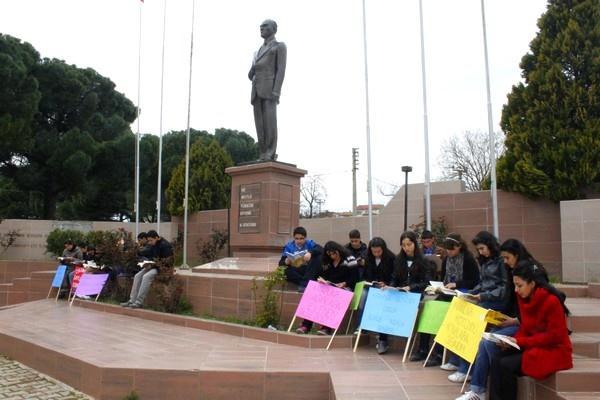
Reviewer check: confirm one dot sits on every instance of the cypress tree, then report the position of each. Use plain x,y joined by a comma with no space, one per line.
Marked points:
552,119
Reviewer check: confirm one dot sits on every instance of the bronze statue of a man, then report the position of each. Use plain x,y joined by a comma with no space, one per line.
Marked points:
266,74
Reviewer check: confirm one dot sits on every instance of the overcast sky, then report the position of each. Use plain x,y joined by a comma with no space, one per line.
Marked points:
322,111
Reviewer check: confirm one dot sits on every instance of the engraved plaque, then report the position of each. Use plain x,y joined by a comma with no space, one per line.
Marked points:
249,213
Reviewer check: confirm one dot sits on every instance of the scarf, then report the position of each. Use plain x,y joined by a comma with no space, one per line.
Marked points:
454,268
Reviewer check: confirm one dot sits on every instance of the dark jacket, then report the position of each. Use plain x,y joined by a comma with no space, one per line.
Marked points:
345,271
144,252
382,272
470,275
494,278
360,253
417,276
162,249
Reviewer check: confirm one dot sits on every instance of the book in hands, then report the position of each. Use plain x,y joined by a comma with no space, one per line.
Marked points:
326,282
497,338
146,263
296,258
495,317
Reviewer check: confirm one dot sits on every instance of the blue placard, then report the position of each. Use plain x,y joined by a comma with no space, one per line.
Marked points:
59,276
390,311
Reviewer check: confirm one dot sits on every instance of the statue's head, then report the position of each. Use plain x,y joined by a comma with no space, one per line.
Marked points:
268,28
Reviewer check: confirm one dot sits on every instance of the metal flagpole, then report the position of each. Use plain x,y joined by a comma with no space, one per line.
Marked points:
187,147
492,139
137,134
369,180
425,124
160,131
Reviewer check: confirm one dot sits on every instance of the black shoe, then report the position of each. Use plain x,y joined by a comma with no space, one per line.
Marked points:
434,361
418,356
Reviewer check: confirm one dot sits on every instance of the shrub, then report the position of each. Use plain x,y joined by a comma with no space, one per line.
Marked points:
55,242
269,311
209,249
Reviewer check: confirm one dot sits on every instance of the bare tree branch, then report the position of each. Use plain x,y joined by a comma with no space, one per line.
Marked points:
313,195
467,157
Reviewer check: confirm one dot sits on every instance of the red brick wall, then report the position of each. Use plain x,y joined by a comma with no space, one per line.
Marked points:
535,223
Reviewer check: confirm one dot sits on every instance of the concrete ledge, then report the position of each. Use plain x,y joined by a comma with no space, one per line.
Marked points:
267,335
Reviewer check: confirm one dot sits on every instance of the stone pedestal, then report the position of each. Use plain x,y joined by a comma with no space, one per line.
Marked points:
265,206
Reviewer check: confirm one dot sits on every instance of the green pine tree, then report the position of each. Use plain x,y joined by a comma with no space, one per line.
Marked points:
552,119
209,185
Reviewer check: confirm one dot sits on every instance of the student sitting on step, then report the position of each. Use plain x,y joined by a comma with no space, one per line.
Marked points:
339,269
301,258
490,292
543,336
412,273
379,269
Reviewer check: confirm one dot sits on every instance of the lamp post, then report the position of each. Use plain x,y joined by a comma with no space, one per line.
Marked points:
406,169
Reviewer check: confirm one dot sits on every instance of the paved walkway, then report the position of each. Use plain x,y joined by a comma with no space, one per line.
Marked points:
18,382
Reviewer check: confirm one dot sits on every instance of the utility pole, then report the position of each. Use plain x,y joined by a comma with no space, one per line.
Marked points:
354,169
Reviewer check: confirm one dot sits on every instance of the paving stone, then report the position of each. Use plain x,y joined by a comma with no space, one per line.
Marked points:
18,382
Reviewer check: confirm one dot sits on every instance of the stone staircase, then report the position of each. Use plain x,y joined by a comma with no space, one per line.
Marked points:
583,381
22,281
223,290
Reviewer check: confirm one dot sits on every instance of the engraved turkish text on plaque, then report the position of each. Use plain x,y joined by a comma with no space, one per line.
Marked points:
249,214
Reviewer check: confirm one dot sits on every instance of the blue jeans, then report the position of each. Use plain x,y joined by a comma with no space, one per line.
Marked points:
462,365
485,354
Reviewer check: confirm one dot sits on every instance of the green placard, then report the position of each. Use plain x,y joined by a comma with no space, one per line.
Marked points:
358,289
432,316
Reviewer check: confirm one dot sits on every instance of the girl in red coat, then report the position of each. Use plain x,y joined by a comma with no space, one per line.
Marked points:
543,335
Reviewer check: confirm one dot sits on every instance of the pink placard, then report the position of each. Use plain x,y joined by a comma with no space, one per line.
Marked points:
91,284
324,304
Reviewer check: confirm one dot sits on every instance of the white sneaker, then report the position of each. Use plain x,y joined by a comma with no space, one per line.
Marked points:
471,395
457,377
449,367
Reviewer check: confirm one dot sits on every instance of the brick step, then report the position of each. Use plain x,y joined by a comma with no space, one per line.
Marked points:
586,344
584,377
594,290
573,290
579,395
585,323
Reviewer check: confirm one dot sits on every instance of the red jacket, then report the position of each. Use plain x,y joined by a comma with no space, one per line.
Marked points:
543,335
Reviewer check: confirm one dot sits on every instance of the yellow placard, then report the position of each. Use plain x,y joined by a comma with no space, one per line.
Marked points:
462,328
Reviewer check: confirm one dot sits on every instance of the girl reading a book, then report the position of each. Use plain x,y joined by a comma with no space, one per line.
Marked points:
543,336
412,273
490,292
512,251
379,267
340,270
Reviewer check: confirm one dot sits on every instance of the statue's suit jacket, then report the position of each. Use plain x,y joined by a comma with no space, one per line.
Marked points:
268,70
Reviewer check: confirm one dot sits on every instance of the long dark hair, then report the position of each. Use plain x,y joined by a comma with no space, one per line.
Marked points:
488,240
378,242
530,272
334,246
413,238
453,240
518,249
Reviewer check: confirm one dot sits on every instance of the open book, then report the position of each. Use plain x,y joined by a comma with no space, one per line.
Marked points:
497,338
145,263
495,317
92,264
296,258
438,288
